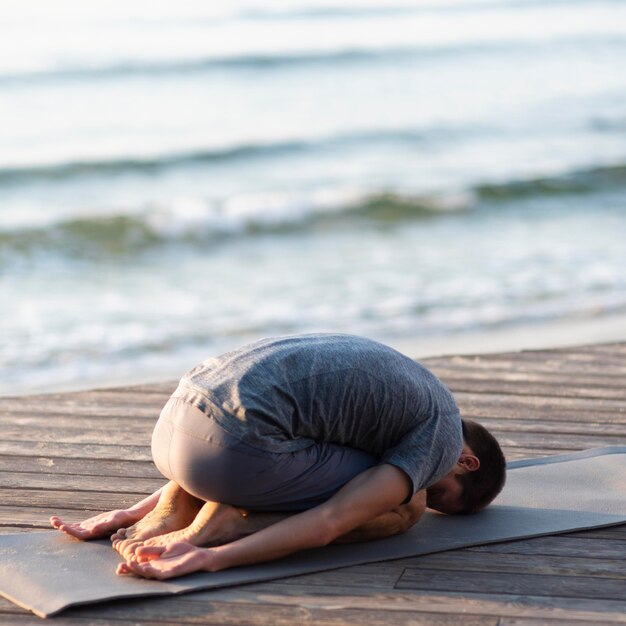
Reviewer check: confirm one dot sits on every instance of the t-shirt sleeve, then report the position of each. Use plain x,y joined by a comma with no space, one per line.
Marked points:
428,451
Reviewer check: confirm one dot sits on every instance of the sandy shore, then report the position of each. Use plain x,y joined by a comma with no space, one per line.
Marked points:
556,334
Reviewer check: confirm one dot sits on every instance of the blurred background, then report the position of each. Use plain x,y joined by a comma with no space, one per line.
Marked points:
179,177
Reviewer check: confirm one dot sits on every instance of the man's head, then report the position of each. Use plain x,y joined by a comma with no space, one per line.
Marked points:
477,477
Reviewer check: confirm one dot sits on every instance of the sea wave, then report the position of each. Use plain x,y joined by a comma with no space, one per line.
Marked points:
235,151
367,9
247,61
583,181
196,220
277,36
244,61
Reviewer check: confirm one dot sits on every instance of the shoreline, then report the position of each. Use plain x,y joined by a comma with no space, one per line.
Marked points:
531,336
562,333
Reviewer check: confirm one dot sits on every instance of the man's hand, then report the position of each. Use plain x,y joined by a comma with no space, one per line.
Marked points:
103,524
95,527
376,491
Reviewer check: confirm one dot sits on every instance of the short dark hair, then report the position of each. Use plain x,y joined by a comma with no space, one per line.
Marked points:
483,485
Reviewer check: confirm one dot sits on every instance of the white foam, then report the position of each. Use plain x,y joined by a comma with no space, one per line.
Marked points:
188,216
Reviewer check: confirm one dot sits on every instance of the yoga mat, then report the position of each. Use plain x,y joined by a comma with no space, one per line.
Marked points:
47,572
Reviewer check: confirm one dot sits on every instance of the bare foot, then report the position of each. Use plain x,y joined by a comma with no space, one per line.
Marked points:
176,509
215,524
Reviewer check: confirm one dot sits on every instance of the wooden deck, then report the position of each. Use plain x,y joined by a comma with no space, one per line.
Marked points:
78,453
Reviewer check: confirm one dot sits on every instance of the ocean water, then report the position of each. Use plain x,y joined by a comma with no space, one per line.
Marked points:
177,178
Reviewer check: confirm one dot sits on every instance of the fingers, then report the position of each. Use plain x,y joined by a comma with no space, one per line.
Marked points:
122,568
74,530
147,553
161,563
80,530
144,570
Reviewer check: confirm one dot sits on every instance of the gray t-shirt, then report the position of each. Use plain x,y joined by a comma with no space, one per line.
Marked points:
286,393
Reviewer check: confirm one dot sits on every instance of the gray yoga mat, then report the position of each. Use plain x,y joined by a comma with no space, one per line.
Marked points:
47,572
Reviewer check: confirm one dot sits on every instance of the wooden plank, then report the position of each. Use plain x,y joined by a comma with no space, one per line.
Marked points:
502,371
29,415
528,621
603,611
512,454
75,435
92,397
473,563
556,442
94,431
81,467
552,370
612,532
108,425
53,499
478,411
540,402
584,353
589,392
62,423
81,482
36,518
497,562
55,449
427,605
520,584
28,619
564,364
591,427
604,348
563,545
163,388
178,611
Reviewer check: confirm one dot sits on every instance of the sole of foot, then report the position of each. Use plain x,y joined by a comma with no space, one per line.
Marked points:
215,524
175,510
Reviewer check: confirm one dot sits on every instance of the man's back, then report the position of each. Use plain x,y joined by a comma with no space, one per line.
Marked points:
283,393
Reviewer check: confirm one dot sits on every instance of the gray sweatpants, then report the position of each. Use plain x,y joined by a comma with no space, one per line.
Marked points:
190,448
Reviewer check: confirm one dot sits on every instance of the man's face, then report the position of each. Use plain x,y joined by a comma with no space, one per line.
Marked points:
445,495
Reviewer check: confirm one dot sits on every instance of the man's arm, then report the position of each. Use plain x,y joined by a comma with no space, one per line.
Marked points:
395,522
376,491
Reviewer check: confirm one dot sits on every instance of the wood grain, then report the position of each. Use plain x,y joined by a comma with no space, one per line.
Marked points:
74,454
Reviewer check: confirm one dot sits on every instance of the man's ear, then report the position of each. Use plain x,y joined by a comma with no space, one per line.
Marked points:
469,462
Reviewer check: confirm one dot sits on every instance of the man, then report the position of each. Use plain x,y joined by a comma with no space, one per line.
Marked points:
293,443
